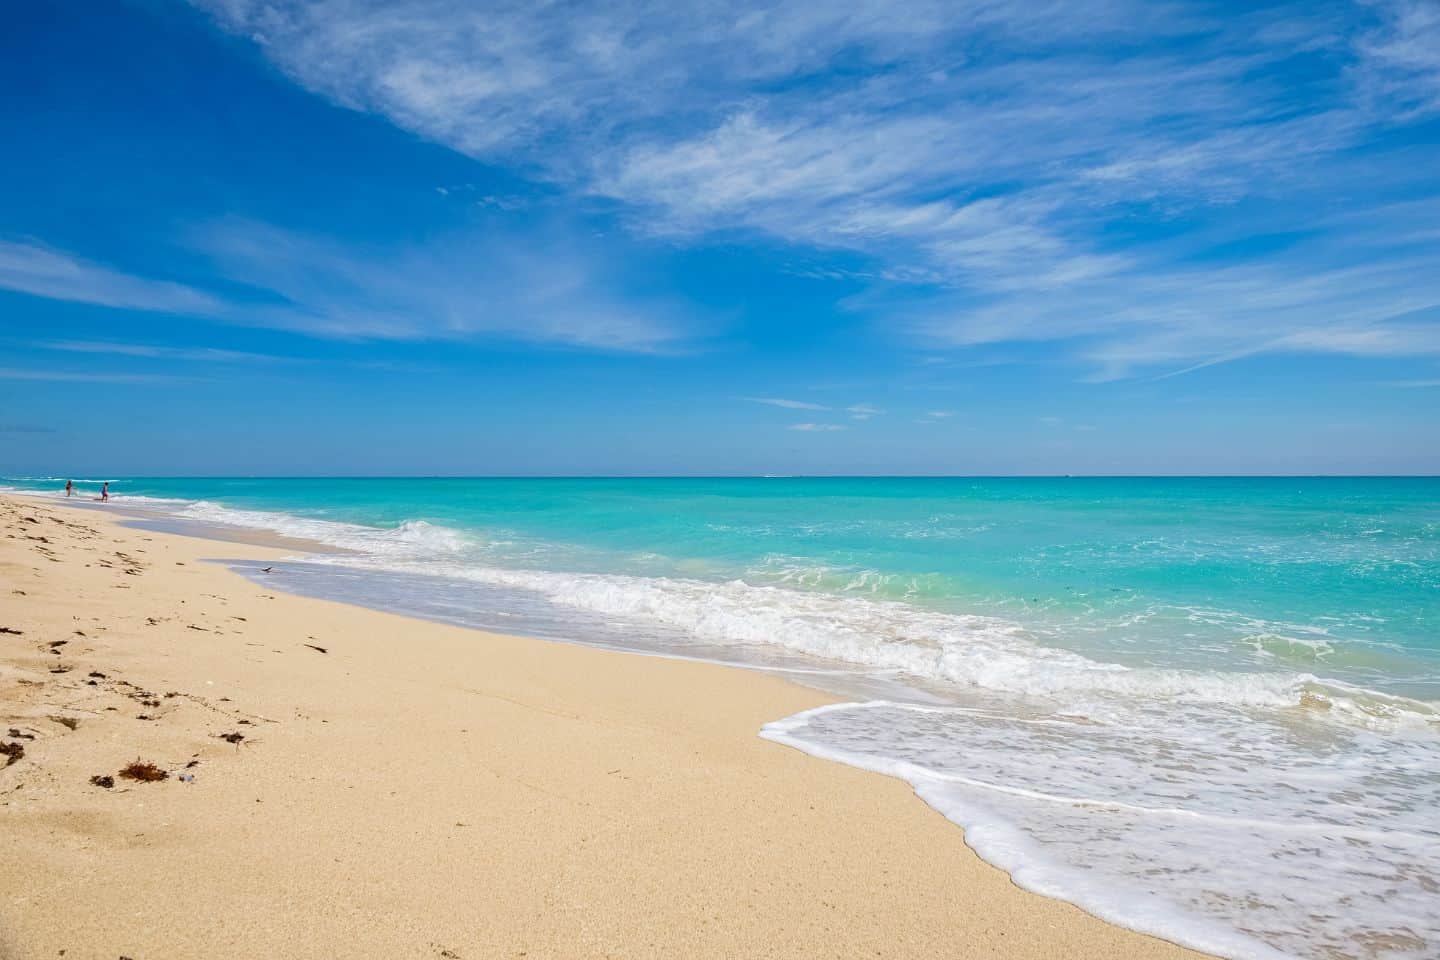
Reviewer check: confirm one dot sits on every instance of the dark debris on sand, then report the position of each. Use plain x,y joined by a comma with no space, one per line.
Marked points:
144,772
103,780
11,752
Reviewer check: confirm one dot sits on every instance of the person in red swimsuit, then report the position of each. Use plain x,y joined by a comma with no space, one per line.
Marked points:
105,491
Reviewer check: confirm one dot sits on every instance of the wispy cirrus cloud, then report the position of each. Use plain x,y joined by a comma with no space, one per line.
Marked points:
817,427
158,352
33,268
529,287
1010,162
1401,57
536,287
82,376
1184,320
789,404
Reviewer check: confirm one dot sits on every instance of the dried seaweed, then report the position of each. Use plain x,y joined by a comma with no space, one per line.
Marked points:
101,780
12,752
143,771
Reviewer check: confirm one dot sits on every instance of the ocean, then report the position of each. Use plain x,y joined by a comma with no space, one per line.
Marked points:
1207,709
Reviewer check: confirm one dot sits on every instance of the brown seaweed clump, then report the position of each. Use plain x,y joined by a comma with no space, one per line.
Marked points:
103,781
11,752
144,772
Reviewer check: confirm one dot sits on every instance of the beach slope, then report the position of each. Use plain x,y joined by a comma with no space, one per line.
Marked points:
342,782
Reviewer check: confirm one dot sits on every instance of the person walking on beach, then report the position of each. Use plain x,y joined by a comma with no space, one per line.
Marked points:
69,487
105,491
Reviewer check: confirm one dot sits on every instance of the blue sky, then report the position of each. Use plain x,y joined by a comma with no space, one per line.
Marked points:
861,236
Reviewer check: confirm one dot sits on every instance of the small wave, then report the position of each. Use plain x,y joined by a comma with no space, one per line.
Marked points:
410,538
970,650
1126,819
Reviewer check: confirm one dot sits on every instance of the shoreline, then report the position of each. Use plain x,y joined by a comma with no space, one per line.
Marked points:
408,788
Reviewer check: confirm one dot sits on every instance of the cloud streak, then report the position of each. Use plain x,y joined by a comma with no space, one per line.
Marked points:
789,404
158,352
545,289
32,268
79,376
538,287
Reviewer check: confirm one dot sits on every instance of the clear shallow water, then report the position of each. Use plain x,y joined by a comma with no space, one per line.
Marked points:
1204,708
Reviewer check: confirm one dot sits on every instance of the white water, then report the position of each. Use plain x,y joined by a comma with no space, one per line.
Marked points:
1255,814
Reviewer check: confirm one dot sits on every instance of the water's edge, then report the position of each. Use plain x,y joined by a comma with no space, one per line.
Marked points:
298,578
1245,814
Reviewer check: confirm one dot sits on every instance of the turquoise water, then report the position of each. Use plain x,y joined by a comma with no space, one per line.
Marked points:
1225,571
1202,707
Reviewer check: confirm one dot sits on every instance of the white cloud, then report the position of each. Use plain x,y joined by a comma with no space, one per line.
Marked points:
77,376
32,268
547,288
789,404
863,411
538,288
1401,57
817,427
1348,298
678,110
985,154
156,352
940,414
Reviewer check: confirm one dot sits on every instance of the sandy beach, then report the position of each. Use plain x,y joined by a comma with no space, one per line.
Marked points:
342,782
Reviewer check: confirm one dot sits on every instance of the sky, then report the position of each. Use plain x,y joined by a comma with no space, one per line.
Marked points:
822,237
